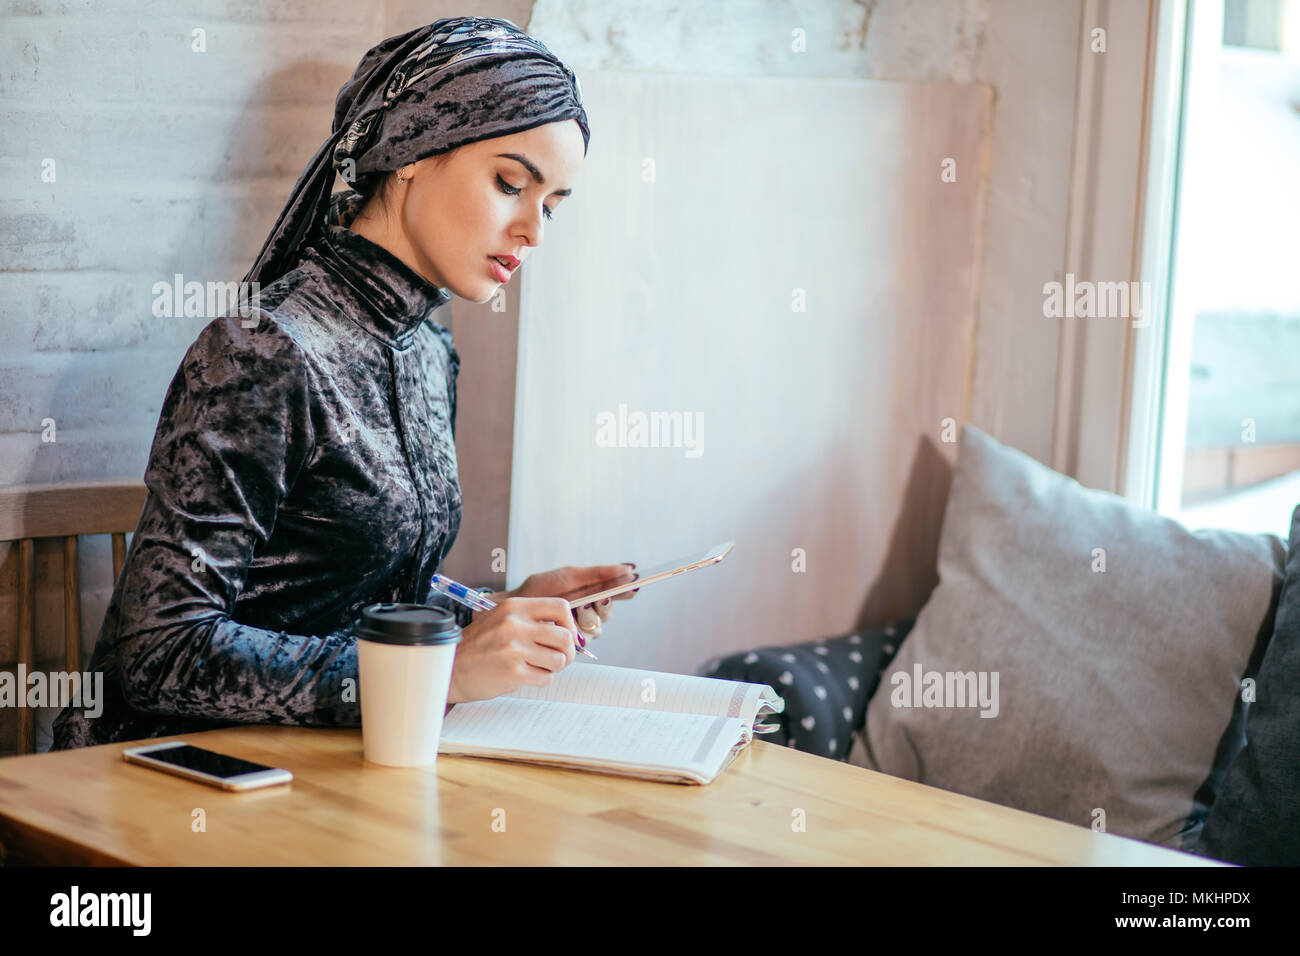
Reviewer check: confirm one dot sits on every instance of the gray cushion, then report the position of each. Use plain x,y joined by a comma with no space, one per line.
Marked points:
1256,818
1113,687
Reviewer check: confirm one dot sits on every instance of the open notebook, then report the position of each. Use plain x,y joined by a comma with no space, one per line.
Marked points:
597,717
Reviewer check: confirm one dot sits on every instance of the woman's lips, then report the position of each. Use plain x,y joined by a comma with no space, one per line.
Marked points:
501,273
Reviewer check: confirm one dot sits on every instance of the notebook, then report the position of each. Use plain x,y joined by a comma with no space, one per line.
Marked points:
619,720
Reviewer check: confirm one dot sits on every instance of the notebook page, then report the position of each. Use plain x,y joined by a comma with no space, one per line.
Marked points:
610,686
614,735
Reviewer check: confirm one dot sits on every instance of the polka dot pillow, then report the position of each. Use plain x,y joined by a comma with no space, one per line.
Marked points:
826,684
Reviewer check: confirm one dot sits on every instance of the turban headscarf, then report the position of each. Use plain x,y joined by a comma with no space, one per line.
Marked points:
429,91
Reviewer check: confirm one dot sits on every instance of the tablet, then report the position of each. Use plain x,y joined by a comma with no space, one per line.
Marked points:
660,572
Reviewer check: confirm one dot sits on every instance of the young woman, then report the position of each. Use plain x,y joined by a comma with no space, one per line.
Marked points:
304,464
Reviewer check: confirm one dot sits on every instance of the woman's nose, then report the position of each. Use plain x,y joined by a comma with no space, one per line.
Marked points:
531,228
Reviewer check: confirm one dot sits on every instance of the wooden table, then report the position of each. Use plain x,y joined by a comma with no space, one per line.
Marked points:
89,807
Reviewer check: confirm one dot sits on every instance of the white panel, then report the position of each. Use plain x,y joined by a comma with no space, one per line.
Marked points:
821,429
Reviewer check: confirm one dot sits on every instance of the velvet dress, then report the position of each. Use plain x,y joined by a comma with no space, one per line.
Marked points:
304,466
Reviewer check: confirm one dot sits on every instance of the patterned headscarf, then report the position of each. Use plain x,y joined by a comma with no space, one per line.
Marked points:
416,95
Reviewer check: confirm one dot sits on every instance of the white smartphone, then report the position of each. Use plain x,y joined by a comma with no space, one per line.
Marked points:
206,766
660,572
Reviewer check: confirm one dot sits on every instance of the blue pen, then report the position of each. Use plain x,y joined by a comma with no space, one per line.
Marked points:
467,596
474,599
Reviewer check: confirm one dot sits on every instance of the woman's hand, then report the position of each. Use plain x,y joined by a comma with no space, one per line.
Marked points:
521,641
563,582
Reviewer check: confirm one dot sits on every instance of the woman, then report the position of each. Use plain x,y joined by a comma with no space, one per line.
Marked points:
304,464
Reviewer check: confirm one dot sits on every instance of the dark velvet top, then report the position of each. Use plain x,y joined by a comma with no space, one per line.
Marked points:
302,468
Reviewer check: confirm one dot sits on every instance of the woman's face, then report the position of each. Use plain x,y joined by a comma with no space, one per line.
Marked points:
485,199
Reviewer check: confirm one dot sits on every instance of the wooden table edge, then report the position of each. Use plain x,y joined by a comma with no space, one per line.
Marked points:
27,843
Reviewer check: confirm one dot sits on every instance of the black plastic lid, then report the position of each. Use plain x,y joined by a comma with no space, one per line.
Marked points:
407,624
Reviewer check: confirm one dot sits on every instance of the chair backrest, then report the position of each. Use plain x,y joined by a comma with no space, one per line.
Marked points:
28,512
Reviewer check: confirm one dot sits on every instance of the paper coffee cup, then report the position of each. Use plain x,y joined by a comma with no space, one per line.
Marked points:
404,655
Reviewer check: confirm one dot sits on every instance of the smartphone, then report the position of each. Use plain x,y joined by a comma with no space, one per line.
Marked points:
660,572
206,766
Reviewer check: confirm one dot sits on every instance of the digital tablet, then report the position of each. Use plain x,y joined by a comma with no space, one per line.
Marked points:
660,572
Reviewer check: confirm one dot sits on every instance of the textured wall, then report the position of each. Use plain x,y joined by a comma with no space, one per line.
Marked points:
167,161
870,39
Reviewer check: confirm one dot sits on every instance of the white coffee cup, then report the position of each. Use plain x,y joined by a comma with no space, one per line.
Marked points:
405,654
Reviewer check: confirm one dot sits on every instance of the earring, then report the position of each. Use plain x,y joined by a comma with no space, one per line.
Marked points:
400,177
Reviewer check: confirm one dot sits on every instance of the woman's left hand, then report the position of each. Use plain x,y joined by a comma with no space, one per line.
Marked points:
564,581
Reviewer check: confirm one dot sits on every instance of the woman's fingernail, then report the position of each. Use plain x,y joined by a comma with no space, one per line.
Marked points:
604,602
630,565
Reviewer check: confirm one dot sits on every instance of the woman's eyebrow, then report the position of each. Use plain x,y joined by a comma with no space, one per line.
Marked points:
537,173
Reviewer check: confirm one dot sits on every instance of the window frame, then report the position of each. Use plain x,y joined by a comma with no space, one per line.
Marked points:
1108,219
1154,444
1116,425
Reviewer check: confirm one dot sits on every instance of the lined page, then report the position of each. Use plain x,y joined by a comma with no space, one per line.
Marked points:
615,735
609,686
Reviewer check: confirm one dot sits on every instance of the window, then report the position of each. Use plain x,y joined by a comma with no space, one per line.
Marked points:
1226,452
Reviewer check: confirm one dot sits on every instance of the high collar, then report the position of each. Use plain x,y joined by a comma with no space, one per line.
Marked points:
387,298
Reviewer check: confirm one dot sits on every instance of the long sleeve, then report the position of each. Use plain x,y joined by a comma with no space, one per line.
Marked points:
235,431
453,373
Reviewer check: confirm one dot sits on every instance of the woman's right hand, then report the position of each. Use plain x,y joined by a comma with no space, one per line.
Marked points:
522,641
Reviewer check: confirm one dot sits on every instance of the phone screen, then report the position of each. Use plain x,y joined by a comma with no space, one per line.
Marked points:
641,574
206,761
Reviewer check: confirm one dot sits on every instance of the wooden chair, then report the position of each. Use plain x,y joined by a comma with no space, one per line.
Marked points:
28,512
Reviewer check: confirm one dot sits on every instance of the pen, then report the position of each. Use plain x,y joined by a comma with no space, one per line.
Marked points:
474,599
466,596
